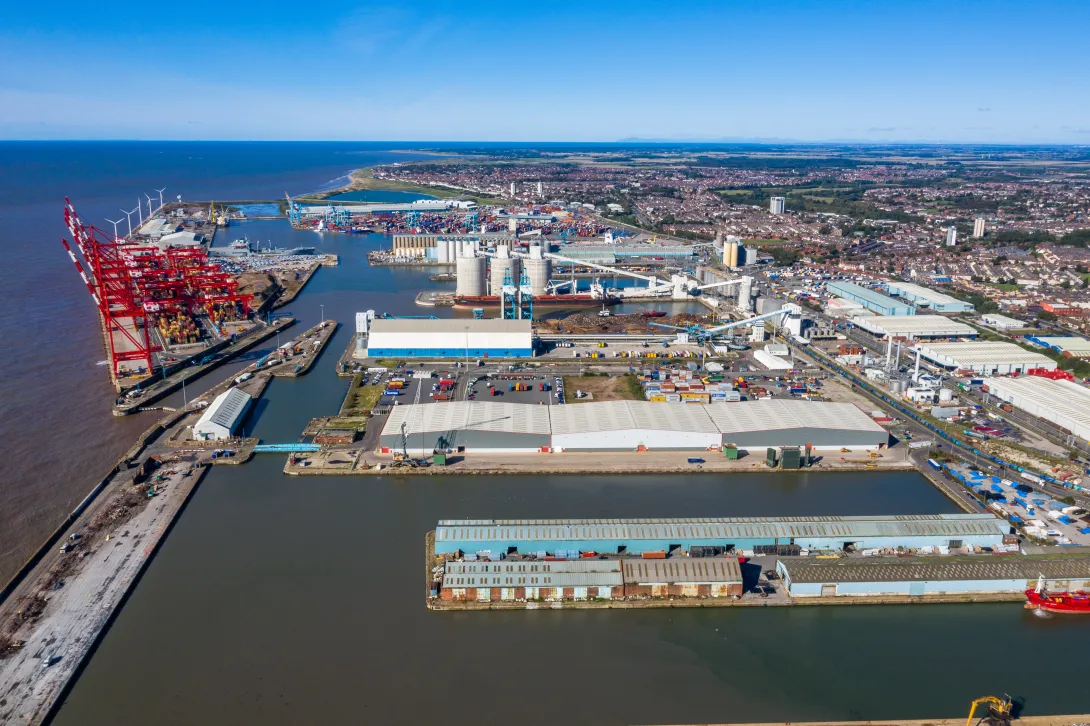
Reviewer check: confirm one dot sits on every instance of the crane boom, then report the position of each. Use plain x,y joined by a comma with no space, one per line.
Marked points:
782,312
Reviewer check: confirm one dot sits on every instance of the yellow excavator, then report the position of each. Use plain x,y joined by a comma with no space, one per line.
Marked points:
999,711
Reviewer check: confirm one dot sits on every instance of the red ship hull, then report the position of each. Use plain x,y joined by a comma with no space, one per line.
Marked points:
1062,602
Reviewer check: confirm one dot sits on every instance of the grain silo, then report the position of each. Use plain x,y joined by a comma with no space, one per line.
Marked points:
539,269
731,255
442,252
502,265
452,250
471,276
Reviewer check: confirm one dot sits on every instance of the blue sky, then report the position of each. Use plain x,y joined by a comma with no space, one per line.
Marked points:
901,70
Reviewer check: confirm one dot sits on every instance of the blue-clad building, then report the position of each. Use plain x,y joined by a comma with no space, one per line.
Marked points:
923,297
635,536
871,300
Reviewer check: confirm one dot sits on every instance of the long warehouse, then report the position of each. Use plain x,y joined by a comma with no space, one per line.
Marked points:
874,301
1063,403
877,576
923,297
484,427
635,536
985,357
914,327
431,338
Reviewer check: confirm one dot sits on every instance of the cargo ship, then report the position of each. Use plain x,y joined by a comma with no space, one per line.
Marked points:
1062,602
578,299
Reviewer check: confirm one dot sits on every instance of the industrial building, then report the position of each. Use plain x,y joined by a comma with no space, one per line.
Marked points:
1068,345
222,417
926,298
477,426
518,580
915,327
482,426
877,576
432,338
718,535
1001,322
874,301
984,357
1064,403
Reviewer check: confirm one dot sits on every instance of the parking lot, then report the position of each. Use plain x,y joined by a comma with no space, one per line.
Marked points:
537,388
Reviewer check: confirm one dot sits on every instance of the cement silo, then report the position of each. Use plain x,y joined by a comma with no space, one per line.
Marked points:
452,250
442,252
471,276
539,270
502,265
750,256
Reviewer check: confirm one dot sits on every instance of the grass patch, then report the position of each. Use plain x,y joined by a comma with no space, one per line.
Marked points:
387,362
628,388
360,397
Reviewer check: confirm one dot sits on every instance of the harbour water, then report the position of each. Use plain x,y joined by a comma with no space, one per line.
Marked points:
300,600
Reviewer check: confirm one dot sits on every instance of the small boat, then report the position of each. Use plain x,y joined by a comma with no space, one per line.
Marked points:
1040,598
603,313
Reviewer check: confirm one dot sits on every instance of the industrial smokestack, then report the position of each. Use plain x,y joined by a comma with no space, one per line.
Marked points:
889,353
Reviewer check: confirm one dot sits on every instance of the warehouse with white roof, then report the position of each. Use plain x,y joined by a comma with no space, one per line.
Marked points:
482,427
984,357
914,327
222,417
1063,403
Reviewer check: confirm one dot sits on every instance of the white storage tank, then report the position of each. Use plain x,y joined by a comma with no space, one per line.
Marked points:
946,394
471,277
442,252
452,250
502,265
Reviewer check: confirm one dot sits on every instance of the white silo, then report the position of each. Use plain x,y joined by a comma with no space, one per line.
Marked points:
539,269
745,294
750,256
502,265
442,252
470,271
452,250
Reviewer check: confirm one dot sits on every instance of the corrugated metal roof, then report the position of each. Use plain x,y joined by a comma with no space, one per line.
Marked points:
935,569
725,529
225,408
468,415
923,293
775,413
427,325
913,325
683,570
984,352
750,416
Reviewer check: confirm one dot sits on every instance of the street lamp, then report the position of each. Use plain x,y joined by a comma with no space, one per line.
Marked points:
467,346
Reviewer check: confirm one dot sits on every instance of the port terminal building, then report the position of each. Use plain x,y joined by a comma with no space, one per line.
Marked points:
926,298
876,302
490,537
590,578
489,427
433,338
1068,345
223,416
919,576
985,357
